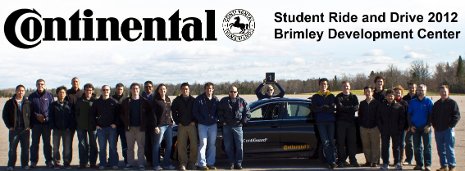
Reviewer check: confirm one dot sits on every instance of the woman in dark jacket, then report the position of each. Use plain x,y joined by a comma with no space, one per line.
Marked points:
163,128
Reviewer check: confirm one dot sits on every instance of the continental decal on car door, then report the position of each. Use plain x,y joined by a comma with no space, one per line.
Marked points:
296,147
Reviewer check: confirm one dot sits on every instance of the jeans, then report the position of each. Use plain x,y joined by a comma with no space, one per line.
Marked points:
67,137
186,133
326,131
166,133
207,144
422,156
18,136
87,147
385,138
39,130
445,141
346,135
371,143
233,139
406,146
134,135
107,134
121,133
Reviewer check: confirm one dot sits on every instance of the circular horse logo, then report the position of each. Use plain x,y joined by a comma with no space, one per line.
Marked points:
238,25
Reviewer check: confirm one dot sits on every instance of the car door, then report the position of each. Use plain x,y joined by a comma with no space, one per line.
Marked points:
260,132
297,133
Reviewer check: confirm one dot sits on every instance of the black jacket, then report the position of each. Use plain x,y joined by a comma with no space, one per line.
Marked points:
391,118
146,116
105,111
182,110
445,114
379,95
160,107
233,115
85,119
61,116
367,113
346,106
10,113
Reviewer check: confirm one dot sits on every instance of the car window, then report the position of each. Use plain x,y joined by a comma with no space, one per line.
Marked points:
268,111
298,110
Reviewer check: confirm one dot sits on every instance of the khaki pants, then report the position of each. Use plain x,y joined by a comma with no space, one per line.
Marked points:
134,135
185,134
371,144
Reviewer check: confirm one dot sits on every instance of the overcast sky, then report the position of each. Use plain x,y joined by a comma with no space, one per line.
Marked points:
224,60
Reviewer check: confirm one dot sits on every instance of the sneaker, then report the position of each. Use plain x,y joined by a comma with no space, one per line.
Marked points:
354,164
25,167
444,168
141,167
33,165
191,167
451,168
157,168
398,166
384,167
407,163
417,168
238,166
127,167
428,168
50,165
57,167
374,165
9,168
332,165
210,167
231,166
114,167
101,167
170,167
68,167
341,165
182,167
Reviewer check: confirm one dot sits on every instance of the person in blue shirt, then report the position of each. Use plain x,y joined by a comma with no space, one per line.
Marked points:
419,114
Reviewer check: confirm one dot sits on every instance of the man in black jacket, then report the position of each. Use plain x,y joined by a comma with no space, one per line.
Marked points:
369,132
105,110
407,143
181,109
136,114
63,123
120,131
85,124
16,115
233,112
444,118
391,120
346,106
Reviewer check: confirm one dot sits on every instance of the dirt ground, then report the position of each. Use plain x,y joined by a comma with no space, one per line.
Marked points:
459,146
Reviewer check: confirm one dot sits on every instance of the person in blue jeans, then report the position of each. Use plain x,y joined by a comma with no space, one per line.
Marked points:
407,137
105,111
233,112
445,117
16,116
323,107
63,123
205,111
85,128
419,114
163,128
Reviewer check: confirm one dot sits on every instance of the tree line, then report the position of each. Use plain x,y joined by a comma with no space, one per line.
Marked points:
452,74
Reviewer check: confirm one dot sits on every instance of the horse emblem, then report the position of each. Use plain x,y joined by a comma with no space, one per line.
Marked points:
238,25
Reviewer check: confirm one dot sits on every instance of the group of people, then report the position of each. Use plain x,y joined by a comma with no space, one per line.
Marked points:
145,119
384,117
